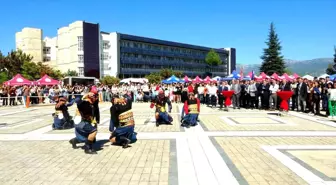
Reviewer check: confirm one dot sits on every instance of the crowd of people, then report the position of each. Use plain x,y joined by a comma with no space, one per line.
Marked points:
310,96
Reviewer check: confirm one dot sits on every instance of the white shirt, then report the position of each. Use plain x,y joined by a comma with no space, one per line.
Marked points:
212,90
274,88
200,90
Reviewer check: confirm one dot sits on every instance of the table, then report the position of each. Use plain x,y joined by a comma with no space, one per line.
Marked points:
284,95
227,95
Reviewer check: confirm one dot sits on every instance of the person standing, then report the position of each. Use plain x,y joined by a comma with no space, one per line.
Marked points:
236,87
252,91
274,88
302,92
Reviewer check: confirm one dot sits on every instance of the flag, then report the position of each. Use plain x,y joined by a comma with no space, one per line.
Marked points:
252,76
241,74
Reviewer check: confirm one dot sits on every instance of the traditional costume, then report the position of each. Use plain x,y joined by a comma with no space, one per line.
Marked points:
161,114
192,109
86,130
62,118
122,122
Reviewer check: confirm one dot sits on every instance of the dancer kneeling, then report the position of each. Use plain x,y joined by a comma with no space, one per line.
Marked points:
161,114
62,118
191,108
86,130
122,121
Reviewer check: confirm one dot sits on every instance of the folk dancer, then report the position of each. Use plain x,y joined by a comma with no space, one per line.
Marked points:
192,109
96,112
161,114
122,122
86,130
62,118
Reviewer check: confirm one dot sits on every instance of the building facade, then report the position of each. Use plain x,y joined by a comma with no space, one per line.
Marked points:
82,47
30,41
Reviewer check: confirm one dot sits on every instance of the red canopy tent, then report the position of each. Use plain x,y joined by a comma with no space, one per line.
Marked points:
208,80
275,76
295,75
18,80
46,80
285,76
197,80
187,79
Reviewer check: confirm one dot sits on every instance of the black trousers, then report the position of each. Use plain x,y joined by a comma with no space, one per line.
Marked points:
253,102
12,100
4,100
220,100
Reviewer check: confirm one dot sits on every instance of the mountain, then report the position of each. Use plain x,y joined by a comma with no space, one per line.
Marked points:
314,67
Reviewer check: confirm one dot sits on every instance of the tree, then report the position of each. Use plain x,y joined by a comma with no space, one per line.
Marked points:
110,80
331,69
166,73
71,73
14,61
288,71
273,61
154,78
213,58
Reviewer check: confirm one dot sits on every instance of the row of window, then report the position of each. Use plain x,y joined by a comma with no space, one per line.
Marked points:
105,56
80,43
81,71
80,59
46,59
46,50
160,58
141,45
106,45
180,68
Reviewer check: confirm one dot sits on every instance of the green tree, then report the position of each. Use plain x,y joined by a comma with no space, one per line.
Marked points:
213,58
14,61
109,80
71,73
154,78
330,69
288,71
273,61
30,70
166,73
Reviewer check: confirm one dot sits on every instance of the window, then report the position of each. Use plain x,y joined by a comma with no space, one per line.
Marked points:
106,66
46,50
80,43
80,59
81,71
105,56
46,59
106,45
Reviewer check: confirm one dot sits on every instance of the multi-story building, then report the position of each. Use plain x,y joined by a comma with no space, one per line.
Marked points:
81,46
30,41
50,51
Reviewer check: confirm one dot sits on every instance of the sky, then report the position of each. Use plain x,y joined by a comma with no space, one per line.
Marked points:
306,28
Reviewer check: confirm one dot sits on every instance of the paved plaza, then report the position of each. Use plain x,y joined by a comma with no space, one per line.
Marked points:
235,147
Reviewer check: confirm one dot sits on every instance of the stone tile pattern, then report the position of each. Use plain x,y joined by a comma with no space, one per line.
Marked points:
216,123
55,162
257,166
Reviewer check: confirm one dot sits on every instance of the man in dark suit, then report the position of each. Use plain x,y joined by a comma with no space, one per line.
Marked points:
286,86
302,93
220,95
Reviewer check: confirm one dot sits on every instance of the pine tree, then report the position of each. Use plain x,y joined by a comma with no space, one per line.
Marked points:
273,61
332,67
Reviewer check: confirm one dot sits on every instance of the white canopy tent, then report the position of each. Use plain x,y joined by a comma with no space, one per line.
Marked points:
308,77
323,76
134,80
